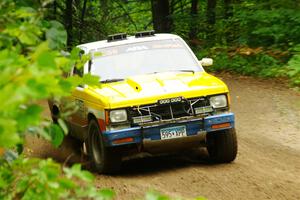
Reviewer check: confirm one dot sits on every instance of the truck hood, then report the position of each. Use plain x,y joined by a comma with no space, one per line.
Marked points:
147,89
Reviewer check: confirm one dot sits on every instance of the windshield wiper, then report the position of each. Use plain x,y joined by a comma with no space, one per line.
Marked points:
179,70
112,80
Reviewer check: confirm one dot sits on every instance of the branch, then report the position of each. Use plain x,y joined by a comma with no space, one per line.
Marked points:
127,14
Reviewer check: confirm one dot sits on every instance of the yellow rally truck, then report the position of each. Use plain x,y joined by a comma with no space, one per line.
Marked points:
154,97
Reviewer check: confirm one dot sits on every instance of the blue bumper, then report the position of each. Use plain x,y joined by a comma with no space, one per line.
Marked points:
193,127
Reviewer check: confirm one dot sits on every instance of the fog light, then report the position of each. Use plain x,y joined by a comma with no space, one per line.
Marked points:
201,110
142,119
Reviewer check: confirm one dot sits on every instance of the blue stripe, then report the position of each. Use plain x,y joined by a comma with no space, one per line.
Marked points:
153,132
218,119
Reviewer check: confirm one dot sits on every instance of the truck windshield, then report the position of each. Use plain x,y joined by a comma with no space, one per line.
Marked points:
122,61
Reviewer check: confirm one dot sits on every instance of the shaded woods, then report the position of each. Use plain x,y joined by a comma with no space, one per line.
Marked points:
249,37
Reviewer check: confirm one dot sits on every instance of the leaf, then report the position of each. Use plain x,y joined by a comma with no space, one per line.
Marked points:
63,125
106,194
22,184
153,195
75,53
90,79
53,185
86,176
66,183
29,116
8,134
46,60
28,38
82,174
76,171
200,198
41,48
57,135
56,35
40,131
66,85
10,156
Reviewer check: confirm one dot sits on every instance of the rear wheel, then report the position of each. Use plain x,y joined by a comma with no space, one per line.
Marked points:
222,145
104,159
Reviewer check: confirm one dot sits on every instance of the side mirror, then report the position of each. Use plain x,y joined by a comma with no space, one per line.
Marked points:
205,62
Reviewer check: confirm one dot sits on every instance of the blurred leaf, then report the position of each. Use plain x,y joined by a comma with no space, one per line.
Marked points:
106,194
56,134
90,79
63,125
56,35
153,195
8,134
200,198
75,171
46,60
29,116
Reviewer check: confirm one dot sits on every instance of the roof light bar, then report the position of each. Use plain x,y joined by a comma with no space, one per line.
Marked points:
116,37
145,34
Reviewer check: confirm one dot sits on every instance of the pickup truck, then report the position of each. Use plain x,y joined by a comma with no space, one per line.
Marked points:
154,97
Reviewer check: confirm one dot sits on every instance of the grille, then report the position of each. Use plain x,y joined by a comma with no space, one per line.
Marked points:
169,111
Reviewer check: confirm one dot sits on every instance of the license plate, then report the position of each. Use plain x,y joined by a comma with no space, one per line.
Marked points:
172,132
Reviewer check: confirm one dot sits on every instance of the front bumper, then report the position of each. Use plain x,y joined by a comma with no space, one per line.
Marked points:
194,127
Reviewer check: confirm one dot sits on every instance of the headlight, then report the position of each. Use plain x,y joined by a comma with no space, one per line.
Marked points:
219,101
118,116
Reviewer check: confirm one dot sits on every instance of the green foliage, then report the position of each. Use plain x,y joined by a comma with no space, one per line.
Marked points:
245,61
271,25
268,23
56,35
32,66
256,61
102,18
153,195
44,179
293,65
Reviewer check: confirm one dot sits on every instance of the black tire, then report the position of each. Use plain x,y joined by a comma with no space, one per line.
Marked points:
104,159
72,143
55,114
222,145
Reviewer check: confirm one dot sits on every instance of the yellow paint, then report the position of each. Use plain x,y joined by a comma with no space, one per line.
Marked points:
147,89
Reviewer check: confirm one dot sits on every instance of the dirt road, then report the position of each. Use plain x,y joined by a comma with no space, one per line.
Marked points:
267,166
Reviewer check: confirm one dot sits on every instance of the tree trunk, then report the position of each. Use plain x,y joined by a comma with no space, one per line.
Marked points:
82,20
161,15
231,31
193,23
228,10
54,9
69,21
211,20
211,11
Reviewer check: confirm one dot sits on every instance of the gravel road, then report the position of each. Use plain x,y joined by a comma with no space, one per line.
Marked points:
267,166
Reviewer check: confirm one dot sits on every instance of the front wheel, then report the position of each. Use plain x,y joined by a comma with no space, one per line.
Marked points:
222,145
104,159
